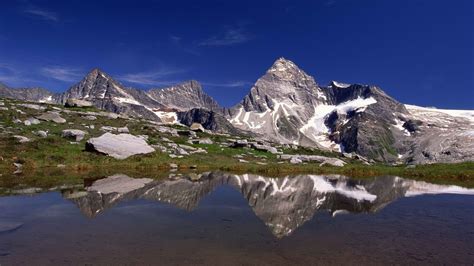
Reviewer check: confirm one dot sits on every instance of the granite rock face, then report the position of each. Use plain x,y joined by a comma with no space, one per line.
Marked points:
52,116
185,96
119,146
27,94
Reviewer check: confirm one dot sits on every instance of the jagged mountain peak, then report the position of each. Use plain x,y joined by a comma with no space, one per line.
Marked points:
284,69
340,85
190,85
98,73
185,96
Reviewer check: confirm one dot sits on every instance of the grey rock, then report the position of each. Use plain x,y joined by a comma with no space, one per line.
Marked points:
312,158
295,160
266,148
108,128
201,141
90,117
123,130
32,106
3,109
31,121
74,134
197,127
78,103
41,133
119,146
21,139
52,116
210,120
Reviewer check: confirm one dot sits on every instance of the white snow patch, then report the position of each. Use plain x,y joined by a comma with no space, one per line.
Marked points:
317,130
46,99
399,125
340,84
167,117
127,100
468,114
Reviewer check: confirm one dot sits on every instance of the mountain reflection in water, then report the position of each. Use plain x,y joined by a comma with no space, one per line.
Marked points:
283,204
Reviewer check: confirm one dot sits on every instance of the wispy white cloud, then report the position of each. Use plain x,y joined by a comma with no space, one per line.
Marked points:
62,73
228,84
12,77
230,37
159,77
41,13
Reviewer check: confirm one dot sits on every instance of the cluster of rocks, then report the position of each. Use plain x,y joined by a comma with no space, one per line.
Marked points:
257,145
115,129
323,160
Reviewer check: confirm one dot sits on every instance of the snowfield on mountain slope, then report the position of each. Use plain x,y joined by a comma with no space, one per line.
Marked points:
314,128
434,113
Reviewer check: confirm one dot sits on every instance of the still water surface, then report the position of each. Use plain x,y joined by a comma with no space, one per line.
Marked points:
225,219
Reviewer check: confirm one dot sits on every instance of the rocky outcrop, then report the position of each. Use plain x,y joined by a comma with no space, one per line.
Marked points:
27,94
297,158
52,116
77,103
119,146
73,134
185,96
210,120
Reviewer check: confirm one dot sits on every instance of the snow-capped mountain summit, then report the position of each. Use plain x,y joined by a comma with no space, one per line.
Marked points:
280,104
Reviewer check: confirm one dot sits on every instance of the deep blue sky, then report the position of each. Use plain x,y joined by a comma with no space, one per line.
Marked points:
418,51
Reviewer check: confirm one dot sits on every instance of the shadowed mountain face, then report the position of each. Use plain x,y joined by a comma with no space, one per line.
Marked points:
283,204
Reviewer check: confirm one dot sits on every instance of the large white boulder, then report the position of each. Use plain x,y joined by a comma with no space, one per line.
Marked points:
119,146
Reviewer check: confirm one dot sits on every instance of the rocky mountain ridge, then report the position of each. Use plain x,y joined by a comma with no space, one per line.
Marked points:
286,105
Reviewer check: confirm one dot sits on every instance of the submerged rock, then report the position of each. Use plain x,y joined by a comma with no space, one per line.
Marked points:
119,146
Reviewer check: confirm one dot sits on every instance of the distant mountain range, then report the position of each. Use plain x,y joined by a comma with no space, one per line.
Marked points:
286,105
